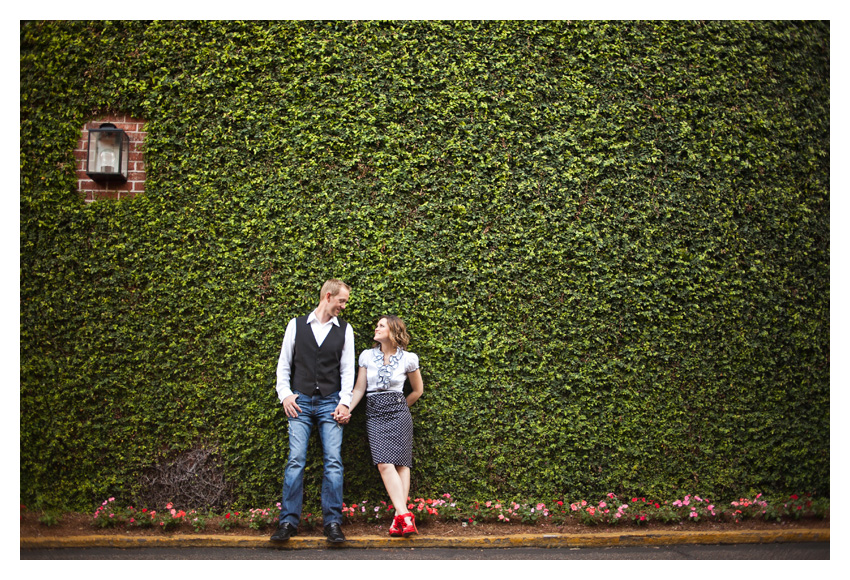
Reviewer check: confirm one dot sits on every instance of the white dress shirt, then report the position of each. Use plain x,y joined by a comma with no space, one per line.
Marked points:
320,331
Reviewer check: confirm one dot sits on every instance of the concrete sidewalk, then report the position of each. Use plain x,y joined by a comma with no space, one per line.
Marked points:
508,541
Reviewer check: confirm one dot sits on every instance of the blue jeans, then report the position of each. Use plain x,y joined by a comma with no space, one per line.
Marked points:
315,410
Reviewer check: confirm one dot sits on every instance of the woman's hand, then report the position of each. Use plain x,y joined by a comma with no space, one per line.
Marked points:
341,414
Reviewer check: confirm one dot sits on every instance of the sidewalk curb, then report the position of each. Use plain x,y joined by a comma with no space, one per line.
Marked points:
600,540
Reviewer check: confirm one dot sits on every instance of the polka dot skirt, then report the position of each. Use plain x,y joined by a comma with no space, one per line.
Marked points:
390,427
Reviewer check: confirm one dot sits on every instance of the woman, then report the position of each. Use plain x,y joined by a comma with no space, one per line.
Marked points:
383,370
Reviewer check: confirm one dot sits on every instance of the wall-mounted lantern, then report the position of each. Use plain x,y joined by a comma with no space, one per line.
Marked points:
108,154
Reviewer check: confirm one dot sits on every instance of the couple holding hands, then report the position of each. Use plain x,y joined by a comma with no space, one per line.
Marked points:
315,384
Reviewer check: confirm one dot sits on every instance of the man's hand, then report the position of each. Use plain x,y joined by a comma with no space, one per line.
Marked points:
341,414
290,406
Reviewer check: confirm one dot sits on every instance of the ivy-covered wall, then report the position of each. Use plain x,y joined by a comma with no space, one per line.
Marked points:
610,242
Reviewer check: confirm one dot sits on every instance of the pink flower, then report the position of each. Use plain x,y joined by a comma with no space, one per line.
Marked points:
583,503
602,504
574,507
618,515
694,515
168,506
488,504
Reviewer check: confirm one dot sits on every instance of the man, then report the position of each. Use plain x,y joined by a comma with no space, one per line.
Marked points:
315,377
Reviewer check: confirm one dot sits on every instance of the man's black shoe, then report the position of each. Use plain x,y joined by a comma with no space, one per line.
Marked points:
334,533
284,532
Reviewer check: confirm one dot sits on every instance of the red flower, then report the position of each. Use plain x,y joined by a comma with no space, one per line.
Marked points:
227,517
795,496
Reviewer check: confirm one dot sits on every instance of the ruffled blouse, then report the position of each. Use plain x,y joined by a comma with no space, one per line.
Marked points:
382,377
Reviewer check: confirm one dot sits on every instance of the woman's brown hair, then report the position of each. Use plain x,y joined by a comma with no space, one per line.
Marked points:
398,330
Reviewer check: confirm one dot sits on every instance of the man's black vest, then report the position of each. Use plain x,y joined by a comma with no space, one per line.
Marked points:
313,366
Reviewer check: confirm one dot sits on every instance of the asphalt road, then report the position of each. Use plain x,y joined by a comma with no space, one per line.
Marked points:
789,551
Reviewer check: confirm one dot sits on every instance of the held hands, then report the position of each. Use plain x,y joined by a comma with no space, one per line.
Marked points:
341,414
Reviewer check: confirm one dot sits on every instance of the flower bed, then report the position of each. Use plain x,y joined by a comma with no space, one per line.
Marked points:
610,511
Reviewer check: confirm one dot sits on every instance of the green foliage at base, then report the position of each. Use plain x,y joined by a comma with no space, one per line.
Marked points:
610,242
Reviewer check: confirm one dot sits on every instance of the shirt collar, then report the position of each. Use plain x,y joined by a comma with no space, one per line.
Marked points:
313,317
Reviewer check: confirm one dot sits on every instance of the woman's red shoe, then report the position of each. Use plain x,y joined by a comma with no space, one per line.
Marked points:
396,528
410,528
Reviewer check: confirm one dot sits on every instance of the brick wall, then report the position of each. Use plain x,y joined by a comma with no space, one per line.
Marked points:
93,191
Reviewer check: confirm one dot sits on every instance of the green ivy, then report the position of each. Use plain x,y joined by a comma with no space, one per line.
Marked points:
610,242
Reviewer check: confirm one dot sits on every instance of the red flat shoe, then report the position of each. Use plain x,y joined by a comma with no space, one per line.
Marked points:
410,528
396,528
